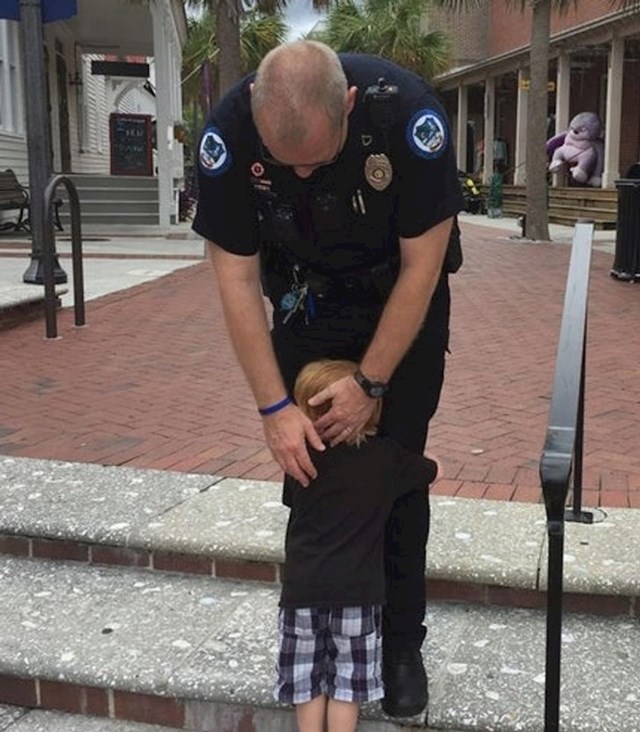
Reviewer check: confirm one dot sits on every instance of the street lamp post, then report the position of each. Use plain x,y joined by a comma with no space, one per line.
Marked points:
38,136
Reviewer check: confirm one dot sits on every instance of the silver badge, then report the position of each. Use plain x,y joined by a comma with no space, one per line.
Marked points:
378,171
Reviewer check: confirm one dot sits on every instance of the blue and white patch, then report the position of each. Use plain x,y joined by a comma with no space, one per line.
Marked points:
214,157
427,134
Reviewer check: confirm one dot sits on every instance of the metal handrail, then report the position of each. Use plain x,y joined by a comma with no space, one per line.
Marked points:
562,452
49,254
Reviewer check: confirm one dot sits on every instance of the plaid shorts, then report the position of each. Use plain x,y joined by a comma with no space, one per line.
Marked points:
331,651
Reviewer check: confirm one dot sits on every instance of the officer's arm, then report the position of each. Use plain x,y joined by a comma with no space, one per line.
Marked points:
421,259
288,429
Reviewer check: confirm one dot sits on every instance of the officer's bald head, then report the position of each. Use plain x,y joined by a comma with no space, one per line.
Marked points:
294,82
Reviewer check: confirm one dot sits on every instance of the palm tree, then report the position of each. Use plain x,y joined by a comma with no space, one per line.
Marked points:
389,28
259,33
228,15
537,212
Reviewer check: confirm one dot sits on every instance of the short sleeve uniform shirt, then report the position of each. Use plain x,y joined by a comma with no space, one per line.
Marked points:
335,220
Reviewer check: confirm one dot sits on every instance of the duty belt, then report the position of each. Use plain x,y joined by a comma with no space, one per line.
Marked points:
366,283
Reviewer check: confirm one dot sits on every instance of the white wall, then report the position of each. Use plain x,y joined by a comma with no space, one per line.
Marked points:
93,153
13,143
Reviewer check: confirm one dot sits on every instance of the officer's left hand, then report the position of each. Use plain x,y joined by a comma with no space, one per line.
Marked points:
350,410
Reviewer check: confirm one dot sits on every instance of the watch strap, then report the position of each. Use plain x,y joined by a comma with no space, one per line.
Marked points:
373,389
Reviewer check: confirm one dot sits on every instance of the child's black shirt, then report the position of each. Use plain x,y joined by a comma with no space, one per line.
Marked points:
335,535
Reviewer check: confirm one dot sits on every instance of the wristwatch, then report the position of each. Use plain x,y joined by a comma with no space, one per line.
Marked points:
373,389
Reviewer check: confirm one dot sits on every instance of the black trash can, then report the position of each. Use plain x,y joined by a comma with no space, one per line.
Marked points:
626,262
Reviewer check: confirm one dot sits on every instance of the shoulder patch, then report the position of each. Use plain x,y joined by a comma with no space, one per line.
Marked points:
427,134
213,156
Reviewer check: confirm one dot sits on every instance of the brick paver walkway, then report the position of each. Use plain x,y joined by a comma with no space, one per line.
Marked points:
152,382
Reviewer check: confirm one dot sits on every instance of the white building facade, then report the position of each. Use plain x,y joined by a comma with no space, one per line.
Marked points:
81,101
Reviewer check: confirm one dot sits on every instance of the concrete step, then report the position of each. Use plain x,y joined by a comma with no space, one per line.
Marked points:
113,181
20,719
22,303
480,551
123,192
114,206
197,653
116,216
107,200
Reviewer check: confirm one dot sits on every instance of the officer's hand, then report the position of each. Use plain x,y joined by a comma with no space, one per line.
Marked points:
350,410
287,432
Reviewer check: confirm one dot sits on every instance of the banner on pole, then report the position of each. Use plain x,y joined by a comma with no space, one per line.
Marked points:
52,10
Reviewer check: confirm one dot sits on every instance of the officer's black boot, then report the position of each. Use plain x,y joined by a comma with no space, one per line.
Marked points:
405,683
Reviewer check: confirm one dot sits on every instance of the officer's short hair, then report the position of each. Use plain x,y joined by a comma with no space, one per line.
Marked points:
316,376
294,78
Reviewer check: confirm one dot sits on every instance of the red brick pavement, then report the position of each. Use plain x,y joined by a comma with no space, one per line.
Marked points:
151,382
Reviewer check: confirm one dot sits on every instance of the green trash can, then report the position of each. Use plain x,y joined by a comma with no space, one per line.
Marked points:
626,262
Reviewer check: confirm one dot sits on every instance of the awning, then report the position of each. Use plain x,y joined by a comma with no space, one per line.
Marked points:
52,10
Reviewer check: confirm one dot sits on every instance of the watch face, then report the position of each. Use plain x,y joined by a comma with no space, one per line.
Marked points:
373,389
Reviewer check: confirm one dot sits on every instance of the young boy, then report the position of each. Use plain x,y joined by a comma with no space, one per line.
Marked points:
333,585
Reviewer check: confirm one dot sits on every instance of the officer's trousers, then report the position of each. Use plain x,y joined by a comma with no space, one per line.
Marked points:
343,330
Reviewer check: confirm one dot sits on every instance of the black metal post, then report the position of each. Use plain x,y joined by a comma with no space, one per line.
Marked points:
577,515
38,136
555,531
562,448
76,253
47,259
49,254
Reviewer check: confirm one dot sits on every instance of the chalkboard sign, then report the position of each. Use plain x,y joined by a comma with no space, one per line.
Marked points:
130,138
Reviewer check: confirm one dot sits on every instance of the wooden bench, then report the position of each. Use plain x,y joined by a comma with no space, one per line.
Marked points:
15,197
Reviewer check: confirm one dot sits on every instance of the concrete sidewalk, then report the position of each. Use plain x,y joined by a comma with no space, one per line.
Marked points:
152,596
111,262
152,382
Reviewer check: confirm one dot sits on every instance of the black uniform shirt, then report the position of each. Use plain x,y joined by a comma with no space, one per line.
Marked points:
334,220
335,535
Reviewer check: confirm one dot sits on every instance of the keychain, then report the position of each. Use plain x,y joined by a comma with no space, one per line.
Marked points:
299,296
292,301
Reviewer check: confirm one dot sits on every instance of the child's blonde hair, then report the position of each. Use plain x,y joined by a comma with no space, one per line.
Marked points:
316,376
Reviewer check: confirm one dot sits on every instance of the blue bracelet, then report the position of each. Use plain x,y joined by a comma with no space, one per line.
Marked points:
275,407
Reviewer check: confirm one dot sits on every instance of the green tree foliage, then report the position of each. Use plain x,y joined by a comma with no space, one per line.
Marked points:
228,16
390,28
259,33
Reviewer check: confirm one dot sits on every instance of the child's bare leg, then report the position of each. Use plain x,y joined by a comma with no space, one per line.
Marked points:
342,716
311,715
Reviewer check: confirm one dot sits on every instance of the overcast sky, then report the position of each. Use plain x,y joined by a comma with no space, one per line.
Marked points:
300,16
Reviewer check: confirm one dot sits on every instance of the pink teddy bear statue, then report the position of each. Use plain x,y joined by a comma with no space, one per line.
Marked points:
580,149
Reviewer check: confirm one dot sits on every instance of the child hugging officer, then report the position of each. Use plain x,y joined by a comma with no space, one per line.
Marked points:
333,586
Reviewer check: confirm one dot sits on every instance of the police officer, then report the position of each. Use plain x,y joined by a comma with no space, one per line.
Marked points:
330,184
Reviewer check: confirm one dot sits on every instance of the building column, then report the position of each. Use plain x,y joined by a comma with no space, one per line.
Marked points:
461,132
178,147
563,98
164,119
489,127
520,171
614,114
563,89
